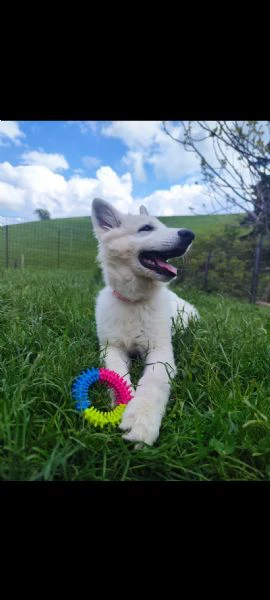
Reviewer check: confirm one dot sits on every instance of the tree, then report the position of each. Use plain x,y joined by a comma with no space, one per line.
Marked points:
235,165
43,214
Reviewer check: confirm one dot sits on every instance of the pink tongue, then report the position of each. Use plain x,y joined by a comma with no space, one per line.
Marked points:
166,266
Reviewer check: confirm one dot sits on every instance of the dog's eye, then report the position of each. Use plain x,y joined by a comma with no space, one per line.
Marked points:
146,228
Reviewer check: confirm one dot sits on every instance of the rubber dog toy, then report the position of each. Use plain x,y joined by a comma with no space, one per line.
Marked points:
121,389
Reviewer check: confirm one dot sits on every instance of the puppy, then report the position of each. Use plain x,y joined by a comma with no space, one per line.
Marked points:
135,311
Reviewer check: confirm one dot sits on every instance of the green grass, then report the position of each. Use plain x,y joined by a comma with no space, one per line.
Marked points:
217,424
202,224
69,243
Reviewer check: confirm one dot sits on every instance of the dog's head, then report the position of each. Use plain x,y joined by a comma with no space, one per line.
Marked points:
140,243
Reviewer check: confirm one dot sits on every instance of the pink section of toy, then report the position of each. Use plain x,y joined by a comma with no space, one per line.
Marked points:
118,384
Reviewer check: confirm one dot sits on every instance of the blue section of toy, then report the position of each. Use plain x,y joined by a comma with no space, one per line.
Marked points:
81,386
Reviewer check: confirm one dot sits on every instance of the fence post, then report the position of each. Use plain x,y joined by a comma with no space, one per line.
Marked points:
256,270
7,241
207,266
266,294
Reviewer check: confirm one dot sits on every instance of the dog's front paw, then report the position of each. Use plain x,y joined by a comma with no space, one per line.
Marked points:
142,421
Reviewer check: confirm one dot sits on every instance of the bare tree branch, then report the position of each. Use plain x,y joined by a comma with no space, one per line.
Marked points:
247,140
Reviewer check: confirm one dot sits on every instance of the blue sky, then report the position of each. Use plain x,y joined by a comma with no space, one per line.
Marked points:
62,166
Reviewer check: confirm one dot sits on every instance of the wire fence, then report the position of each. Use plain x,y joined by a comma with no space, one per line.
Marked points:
227,273
47,244
226,267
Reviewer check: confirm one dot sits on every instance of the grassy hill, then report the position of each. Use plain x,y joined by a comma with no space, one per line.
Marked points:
70,244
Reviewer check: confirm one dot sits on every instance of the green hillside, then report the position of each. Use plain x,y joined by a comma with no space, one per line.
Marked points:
69,243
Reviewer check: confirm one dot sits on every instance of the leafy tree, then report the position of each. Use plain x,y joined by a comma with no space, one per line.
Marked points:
43,214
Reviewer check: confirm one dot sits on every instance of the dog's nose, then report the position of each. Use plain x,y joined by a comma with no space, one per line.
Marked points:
186,235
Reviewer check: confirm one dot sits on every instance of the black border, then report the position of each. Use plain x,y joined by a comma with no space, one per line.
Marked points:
85,521
172,495
114,89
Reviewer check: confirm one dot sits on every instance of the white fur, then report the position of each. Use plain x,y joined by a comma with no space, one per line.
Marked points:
144,324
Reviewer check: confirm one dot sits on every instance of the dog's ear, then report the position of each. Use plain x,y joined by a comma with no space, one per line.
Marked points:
104,216
143,210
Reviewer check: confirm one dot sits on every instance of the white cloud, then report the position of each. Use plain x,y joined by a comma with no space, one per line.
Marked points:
148,143
27,187
52,161
135,160
177,200
10,131
91,162
172,162
11,197
135,134
38,183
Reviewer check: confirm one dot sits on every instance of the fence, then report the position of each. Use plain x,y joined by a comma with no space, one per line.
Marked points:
228,271
61,243
223,265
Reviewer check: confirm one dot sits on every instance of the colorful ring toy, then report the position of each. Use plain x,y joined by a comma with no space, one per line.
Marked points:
120,387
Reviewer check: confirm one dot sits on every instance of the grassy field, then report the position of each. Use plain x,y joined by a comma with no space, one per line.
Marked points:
69,243
217,424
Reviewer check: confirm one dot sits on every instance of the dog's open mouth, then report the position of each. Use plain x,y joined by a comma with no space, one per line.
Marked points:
157,261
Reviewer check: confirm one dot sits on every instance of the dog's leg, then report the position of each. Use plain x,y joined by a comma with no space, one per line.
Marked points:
144,413
117,360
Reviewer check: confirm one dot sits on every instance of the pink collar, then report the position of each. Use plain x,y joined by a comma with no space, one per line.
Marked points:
120,297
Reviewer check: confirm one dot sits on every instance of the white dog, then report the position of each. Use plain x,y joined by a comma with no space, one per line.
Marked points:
135,311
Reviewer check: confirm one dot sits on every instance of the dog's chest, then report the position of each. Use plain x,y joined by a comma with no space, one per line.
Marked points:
136,328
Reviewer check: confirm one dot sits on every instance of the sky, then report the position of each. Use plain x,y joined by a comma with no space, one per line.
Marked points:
63,165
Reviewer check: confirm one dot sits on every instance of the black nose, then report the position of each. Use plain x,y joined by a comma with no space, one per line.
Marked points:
186,235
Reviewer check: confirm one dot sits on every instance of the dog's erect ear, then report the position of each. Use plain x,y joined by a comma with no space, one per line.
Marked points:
104,216
143,210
